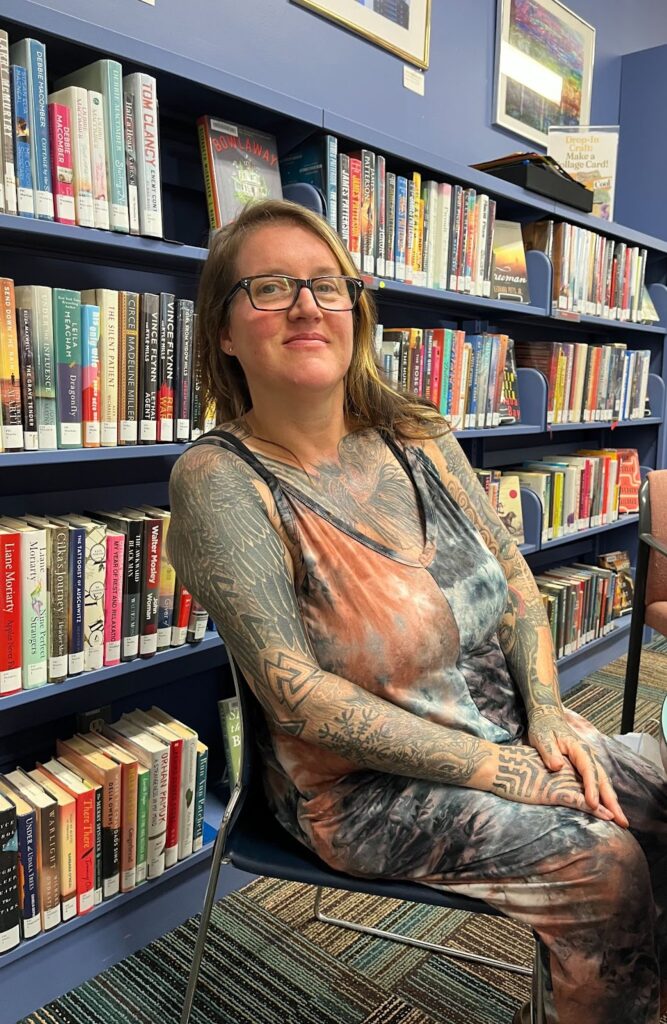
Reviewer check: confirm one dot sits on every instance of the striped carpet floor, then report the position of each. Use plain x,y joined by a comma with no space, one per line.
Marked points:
268,961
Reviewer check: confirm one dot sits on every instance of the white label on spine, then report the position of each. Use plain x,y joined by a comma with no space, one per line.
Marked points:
120,220
10,192
10,680
129,879
148,644
170,856
197,843
109,433
70,433
58,667
51,917
31,926
130,646
163,637
110,886
91,434
44,204
112,652
128,431
12,437
166,430
65,208
25,200
133,203
200,628
178,635
36,673
148,430
48,436
97,896
101,208
93,659
9,938
85,208
141,872
86,901
69,908
30,440
76,663
182,429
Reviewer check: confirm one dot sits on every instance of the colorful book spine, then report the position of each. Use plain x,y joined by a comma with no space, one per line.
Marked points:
31,54
355,210
150,590
7,178
166,350
390,225
11,419
84,830
165,616
232,733
142,89
10,917
98,160
197,623
20,109
181,619
184,371
67,344
27,368
380,215
134,547
196,391
131,161
34,613
77,585
128,368
401,226
90,375
331,157
38,299
62,167
150,333
94,616
143,808
76,100
10,612
200,796
113,598
344,198
107,300
57,572
26,829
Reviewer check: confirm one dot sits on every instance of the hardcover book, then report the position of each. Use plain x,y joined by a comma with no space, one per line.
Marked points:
76,100
28,878
142,89
10,917
26,343
24,193
38,300
230,724
31,55
7,177
47,849
10,611
239,164
11,419
509,278
67,344
65,841
62,166
34,600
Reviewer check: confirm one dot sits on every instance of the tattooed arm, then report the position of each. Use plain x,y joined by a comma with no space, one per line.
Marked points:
225,543
524,633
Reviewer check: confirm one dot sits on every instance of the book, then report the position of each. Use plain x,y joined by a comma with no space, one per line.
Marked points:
11,416
181,617
105,77
94,576
11,650
46,819
7,172
129,365
113,596
509,506
76,100
65,841
37,299
200,796
166,365
67,347
57,590
129,775
141,88
133,529
232,736
188,778
107,301
10,916
62,166
27,378
167,580
175,744
24,196
184,368
131,160
34,602
239,164
28,878
150,579
98,159
149,347
90,376
31,55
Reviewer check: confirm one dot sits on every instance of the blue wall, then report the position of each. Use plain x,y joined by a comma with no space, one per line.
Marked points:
292,50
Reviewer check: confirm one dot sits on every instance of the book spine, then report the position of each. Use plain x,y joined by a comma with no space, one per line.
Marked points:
67,337
165,616
26,346
77,564
166,347
93,619
173,802
150,591
66,847
34,609
182,609
355,211
331,178
184,370
143,808
129,114
90,374
40,300
10,613
200,797
204,136
128,365
58,574
390,225
113,598
344,198
109,367
412,217
196,397
11,420
24,198
47,865
85,851
76,99
31,54
368,211
98,891
401,227
128,828
231,735
132,590
149,348
110,788
148,156
112,93
98,160
10,917
60,125
380,239
26,828
8,203
197,623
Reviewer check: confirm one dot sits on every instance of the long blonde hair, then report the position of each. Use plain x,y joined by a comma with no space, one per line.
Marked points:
369,400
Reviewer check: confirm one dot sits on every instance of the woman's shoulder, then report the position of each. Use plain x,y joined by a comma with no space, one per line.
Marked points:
209,457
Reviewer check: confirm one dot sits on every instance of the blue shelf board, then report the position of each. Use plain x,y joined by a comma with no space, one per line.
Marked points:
386,287
528,549
132,451
645,421
621,626
620,325
136,50
570,537
211,641
212,814
510,431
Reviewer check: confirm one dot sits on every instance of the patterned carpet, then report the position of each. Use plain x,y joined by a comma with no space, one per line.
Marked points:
268,961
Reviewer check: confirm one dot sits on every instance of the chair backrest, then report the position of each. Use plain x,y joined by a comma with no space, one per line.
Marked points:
249,774
656,582
306,195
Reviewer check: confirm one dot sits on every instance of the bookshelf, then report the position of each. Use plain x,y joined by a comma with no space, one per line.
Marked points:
188,681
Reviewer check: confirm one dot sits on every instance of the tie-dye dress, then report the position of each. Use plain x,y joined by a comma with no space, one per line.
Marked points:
420,632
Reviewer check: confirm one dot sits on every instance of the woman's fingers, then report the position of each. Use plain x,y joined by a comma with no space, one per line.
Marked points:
598,790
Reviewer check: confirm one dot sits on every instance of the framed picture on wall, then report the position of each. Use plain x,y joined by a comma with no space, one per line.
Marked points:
401,26
544,67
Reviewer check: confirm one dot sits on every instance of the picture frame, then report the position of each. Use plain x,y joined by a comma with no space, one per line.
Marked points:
543,67
400,26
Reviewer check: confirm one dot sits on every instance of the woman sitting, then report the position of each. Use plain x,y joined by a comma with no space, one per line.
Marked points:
394,636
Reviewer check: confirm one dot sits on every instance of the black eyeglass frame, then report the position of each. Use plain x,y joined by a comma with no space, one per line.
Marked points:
301,282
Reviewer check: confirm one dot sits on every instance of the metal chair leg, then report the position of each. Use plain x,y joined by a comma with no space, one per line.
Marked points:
538,988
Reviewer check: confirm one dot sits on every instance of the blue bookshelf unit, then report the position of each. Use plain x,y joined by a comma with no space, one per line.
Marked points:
188,681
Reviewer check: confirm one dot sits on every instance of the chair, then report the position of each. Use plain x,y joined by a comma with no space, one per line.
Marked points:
649,605
251,839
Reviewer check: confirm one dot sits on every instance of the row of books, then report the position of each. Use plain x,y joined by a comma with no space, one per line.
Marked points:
583,490
85,152
471,378
503,491
590,383
97,368
80,592
110,811
592,274
582,601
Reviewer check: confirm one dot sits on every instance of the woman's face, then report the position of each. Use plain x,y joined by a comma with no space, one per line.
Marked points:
305,347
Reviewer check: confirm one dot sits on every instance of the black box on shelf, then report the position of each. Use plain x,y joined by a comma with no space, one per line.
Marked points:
547,183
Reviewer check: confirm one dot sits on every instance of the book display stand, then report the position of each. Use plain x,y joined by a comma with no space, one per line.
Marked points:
187,681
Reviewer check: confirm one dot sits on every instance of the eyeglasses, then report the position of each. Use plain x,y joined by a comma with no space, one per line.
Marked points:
272,293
